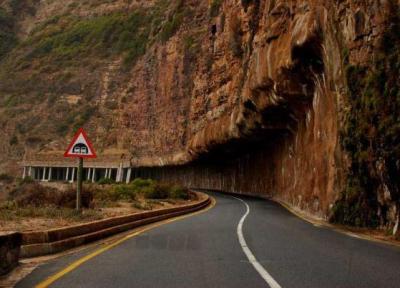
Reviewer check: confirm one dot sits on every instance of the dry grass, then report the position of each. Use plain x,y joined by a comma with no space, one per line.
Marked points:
33,206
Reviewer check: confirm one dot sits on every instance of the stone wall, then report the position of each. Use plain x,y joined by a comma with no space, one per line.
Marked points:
10,245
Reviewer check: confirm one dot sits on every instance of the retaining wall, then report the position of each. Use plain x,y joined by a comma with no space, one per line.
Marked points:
10,244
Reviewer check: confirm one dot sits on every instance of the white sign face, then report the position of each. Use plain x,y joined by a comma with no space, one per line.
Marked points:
80,147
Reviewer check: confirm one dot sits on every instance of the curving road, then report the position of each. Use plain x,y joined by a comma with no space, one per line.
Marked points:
241,242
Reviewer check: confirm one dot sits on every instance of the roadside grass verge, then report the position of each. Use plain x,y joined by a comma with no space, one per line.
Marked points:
31,200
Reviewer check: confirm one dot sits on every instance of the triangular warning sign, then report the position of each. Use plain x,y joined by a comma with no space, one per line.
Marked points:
80,146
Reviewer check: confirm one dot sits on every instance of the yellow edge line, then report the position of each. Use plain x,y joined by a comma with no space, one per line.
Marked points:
86,258
319,223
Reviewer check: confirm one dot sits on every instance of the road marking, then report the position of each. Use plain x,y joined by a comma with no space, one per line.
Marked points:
46,283
252,259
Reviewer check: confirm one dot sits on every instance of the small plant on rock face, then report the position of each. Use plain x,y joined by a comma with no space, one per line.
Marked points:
7,37
371,133
235,37
215,7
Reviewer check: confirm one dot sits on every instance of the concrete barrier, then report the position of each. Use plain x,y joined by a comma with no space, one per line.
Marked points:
10,244
57,240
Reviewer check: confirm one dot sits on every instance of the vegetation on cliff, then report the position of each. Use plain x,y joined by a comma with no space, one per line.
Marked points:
64,56
7,35
372,134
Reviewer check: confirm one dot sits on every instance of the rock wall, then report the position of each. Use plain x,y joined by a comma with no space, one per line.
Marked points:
250,96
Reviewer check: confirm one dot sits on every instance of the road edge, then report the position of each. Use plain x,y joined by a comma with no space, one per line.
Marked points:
72,266
343,230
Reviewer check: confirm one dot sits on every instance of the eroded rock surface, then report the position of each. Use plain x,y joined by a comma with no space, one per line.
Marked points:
251,95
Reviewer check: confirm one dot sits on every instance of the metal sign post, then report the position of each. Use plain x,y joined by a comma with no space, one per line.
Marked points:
80,148
79,187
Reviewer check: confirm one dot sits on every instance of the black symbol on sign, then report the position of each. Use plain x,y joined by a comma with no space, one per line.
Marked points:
80,149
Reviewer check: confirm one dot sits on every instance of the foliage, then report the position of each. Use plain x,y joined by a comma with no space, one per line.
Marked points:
372,133
10,211
8,40
124,192
6,178
105,35
105,181
25,180
178,192
174,20
142,183
157,191
67,38
215,7
148,188
235,37
33,194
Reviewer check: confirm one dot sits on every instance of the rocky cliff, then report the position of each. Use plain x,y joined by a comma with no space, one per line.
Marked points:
296,100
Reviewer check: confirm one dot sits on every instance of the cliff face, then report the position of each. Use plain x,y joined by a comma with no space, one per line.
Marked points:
274,98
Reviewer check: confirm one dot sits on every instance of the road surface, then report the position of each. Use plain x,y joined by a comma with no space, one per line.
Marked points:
238,243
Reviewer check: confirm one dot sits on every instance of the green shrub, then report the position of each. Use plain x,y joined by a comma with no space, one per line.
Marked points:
171,27
157,191
105,181
142,183
26,180
371,133
103,35
8,39
124,192
179,192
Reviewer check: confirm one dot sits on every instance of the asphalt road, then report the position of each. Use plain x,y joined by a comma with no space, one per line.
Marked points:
271,248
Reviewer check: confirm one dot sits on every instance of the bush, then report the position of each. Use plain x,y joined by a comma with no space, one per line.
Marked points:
6,178
157,191
179,192
67,198
120,192
149,188
105,181
25,180
124,192
36,195
140,183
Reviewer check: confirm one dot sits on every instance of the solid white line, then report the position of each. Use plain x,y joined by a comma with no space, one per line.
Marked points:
252,259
